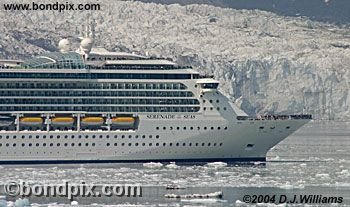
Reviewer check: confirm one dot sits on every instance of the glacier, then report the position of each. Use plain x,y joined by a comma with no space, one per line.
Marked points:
266,63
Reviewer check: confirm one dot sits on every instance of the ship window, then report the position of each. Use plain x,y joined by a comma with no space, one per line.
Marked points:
203,144
123,136
170,144
225,108
143,136
72,144
65,144
115,144
220,144
211,108
115,136
58,144
225,128
164,128
184,144
205,128
157,128
157,136
164,144
157,144
150,144
217,101
86,144
178,128
7,144
129,144
212,128
14,144
214,144
143,144
51,144
211,101
150,136
190,144
65,136
177,144
136,144
130,136
196,144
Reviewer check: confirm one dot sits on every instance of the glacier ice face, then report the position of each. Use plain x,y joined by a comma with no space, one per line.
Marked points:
266,63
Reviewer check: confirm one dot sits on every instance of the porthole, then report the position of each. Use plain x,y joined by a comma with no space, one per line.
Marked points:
14,137
30,136
157,128
225,108
129,144
44,137
204,100
220,144
58,144
30,144
211,101
115,136
204,108
190,144
79,136
58,136
219,128
123,144
211,108
115,144
136,136
22,145
178,128
150,136
150,144
164,128
218,108
136,144
65,144
196,144
212,128
107,136
143,136
177,144
130,136
157,136
24,136
7,137
157,144
93,136
203,144
171,128
208,144
123,136
51,144
143,144
72,144
7,144
205,128
86,136
14,144
184,128
199,128
191,128
101,136
86,144
66,136
217,101
225,128
93,144
164,144
214,144
170,144
184,144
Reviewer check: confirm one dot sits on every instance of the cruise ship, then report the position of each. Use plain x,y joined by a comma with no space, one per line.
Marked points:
96,106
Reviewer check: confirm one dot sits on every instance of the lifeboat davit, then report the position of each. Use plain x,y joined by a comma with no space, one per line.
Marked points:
123,121
92,121
31,121
62,121
6,121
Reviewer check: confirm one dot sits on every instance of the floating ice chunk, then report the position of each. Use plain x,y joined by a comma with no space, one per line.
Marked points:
217,164
322,175
287,186
10,204
74,203
3,203
172,165
153,165
22,202
206,200
209,195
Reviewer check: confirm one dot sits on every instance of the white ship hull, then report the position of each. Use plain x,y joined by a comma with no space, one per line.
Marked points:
222,140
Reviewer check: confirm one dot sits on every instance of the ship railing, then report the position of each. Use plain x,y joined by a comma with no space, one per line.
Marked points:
276,117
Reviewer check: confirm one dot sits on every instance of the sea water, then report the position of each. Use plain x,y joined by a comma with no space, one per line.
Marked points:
313,161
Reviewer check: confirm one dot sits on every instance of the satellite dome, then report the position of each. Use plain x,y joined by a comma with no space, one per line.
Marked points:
86,45
64,45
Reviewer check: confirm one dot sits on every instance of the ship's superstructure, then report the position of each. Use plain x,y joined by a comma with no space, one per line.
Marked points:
101,106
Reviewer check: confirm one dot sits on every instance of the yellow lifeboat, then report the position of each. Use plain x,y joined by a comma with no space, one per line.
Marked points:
62,121
123,121
92,121
31,121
